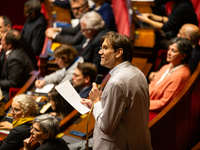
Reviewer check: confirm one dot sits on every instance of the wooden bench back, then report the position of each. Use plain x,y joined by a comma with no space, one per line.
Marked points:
176,125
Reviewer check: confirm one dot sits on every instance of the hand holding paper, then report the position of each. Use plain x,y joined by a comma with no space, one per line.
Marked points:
71,96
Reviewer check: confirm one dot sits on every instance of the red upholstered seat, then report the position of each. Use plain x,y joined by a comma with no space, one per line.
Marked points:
13,91
168,8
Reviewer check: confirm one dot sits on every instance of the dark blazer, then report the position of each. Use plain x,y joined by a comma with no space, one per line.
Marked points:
63,4
194,59
70,35
85,92
2,54
14,140
33,33
54,144
90,52
16,71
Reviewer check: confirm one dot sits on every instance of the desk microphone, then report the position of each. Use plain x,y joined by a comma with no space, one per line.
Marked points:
99,79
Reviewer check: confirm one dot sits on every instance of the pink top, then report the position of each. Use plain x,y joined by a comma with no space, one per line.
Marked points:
165,91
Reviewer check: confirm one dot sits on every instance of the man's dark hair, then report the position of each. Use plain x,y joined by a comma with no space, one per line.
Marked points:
184,47
6,21
13,37
117,41
88,69
33,6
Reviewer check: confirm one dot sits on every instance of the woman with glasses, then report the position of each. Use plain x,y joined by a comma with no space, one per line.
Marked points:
44,130
23,109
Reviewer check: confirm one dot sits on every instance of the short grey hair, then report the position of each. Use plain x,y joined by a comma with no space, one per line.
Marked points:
93,20
48,123
27,103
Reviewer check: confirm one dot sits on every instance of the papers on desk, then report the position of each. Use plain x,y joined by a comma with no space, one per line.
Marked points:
6,132
45,89
71,96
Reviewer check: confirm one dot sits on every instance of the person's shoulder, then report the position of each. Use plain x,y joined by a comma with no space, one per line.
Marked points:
196,49
183,72
16,53
106,5
102,32
184,6
21,129
56,143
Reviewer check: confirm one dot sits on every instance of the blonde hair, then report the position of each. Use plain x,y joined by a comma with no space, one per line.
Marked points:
27,103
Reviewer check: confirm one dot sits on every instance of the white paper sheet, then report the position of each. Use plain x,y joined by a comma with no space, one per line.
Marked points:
71,96
45,89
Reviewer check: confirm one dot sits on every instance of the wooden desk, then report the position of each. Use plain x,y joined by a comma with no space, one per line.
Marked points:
81,126
144,38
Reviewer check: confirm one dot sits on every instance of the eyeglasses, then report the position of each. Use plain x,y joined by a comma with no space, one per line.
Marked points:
14,110
34,129
104,48
83,30
77,8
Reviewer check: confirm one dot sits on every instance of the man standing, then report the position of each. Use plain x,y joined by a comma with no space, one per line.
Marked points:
70,35
122,110
33,31
82,79
17,66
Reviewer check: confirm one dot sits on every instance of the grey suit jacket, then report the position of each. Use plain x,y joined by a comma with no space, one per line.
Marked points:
122,116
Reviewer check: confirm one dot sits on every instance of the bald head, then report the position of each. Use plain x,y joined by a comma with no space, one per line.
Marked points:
190,32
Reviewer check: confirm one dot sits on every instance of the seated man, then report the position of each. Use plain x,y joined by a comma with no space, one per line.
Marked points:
192,33
17,66
33,32
83,77
70,35
5,24
93,28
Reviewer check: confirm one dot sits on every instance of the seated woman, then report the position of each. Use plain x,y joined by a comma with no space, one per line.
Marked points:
24,109
105,10
171,78
44,130
66,58
182,12
60,106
